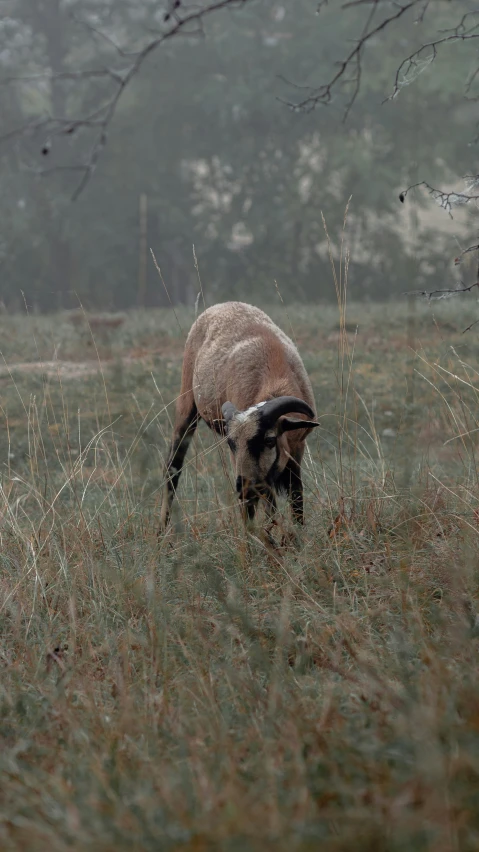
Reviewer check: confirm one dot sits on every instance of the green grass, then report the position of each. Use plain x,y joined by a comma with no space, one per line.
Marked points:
203,692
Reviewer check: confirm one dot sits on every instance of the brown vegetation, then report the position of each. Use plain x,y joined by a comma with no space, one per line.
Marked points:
204,693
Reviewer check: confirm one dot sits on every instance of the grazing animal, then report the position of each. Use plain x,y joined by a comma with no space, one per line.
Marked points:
245,378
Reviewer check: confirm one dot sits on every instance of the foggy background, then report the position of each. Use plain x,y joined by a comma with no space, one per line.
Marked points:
203,151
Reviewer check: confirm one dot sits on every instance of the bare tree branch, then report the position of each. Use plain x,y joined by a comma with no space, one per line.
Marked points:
447,200
458,260
323,94
178,22
349,69
440,294
461,26
470,326
56,126
422,13
413,65
63,75
104,37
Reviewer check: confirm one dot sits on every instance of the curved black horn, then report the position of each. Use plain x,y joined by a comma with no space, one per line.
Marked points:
274,408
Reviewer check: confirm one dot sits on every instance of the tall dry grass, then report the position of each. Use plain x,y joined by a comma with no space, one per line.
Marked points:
209,693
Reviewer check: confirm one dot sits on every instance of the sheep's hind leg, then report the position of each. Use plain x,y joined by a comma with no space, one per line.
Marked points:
184,431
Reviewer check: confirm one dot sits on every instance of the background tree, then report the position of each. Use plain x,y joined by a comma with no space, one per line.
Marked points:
190,112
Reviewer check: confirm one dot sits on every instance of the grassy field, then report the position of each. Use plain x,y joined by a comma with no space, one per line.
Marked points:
201,692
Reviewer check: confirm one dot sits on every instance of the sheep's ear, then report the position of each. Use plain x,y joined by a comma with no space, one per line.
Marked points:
289,424
228,411
220,424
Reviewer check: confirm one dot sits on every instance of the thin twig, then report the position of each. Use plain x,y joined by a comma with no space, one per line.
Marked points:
447,200
440,294
470,326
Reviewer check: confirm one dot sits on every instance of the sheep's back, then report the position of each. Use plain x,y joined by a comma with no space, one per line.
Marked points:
237,351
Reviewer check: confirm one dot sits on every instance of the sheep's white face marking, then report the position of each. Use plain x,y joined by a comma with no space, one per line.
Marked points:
242,416
255,452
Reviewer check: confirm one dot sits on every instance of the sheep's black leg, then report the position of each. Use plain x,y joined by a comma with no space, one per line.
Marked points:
271,508
294,487
271,505
184,431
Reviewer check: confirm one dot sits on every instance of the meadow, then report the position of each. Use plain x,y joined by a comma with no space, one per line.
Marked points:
201,691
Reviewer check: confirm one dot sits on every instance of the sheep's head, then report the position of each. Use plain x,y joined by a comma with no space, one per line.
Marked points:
257,439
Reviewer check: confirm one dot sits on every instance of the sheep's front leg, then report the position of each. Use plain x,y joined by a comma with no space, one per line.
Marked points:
271,507
292,481
294,486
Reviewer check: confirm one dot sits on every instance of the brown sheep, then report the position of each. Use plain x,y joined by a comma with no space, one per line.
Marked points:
244,377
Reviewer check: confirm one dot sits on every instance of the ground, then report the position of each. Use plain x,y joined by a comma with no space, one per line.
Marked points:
202,691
